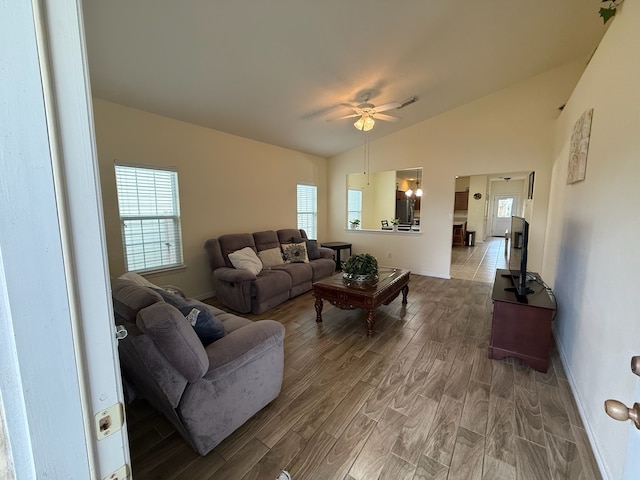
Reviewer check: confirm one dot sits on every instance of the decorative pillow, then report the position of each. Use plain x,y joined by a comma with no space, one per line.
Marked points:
271,257
295,252
312,249
206,325
246,259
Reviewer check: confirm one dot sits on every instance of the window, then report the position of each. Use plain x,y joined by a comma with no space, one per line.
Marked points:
149,217
354,205
308,209
504,207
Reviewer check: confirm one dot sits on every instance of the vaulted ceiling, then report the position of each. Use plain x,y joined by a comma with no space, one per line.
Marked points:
280,71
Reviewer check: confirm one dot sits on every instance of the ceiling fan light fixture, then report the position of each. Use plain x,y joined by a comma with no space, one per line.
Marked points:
418,191
364,123
408,193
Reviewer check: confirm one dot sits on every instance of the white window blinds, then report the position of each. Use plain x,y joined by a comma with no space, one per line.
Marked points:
307,200
149,217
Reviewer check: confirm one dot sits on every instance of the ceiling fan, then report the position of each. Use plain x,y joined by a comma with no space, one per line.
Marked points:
369,113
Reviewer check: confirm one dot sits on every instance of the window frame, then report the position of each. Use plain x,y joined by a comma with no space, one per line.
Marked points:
148,265
312,232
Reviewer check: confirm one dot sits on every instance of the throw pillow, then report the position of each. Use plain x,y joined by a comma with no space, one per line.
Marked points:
271,257
312,249
295,252
246,259
206,325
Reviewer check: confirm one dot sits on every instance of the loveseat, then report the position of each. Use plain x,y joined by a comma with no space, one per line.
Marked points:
206,392
286,266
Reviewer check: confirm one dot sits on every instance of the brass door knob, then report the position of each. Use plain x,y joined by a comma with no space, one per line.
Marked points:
619,411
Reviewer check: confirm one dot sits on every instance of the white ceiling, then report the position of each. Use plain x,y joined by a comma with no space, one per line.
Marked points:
277,70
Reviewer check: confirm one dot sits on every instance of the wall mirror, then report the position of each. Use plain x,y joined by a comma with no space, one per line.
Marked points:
378,197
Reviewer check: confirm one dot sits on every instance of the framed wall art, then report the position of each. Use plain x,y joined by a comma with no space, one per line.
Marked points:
579,148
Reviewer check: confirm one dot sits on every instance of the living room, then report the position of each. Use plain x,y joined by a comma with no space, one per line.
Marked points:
579,231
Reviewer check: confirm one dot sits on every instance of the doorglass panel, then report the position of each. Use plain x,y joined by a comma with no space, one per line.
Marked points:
504,207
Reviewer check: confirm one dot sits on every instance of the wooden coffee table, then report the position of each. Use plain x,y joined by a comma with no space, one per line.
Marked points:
348,295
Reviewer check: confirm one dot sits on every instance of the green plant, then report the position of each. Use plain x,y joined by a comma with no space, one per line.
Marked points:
355,222
608,12
361,264
395,221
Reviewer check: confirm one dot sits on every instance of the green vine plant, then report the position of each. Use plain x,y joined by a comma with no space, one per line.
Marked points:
609,11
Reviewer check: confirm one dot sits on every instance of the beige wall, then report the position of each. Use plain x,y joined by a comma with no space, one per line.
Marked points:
510,130
228,184
591,254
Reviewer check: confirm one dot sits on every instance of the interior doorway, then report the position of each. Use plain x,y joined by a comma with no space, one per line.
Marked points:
504,206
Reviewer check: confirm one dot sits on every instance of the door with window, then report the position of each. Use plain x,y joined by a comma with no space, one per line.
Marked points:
504,206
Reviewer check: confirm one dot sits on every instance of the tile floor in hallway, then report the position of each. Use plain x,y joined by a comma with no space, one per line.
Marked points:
479,262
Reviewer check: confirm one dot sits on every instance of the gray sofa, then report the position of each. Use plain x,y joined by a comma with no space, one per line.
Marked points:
205,392
246,292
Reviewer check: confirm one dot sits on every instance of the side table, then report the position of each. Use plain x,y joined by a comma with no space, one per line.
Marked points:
338,247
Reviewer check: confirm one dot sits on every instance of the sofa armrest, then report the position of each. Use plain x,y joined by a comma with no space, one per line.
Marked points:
233,275
243,345
326,252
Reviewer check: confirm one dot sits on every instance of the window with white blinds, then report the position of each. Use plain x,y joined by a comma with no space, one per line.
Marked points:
308,209
149,217
354,205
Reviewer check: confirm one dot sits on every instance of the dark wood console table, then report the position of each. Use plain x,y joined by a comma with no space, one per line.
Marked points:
521,330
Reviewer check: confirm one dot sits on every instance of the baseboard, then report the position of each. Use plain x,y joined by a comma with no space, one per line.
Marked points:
583,417
204,296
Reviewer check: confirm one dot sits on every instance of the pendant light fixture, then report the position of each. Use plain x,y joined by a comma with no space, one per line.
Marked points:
364,123
418,192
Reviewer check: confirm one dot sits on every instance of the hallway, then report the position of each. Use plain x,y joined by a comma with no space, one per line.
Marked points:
480,262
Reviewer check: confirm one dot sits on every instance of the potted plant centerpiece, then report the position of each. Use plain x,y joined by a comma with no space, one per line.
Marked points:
362,267
395,222
354,224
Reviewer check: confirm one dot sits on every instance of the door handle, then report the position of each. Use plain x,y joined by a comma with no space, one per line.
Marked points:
618,410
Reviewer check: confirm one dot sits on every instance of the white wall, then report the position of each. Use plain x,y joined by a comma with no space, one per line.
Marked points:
591,258
475,213
228,184
510,130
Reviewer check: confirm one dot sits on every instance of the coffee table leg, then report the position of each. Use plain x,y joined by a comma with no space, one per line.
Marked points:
405,292
318,309
370,321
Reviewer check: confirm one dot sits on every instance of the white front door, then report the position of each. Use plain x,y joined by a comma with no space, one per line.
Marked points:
504,206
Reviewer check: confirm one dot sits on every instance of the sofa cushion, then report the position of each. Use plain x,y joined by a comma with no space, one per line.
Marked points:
129,298
204,322
295,252
312,249
246,259
271,257
175,338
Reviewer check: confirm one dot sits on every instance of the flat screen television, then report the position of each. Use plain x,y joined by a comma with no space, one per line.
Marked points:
518,256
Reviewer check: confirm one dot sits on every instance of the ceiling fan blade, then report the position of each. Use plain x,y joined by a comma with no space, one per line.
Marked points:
353,115
385,117
387,106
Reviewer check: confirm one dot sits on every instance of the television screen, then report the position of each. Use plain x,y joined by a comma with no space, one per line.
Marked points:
516,244
518,254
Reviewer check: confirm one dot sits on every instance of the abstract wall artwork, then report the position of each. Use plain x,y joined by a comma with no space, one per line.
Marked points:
579,148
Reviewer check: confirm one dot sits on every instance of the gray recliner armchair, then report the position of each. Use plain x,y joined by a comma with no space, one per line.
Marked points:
205,392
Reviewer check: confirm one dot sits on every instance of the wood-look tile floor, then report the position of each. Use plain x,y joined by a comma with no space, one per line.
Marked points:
418,400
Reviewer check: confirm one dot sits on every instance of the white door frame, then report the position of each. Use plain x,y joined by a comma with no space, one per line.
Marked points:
59,355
